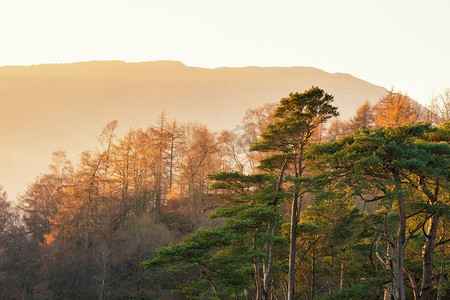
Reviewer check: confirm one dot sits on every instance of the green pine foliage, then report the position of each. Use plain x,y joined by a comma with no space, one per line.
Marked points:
223,257
396,174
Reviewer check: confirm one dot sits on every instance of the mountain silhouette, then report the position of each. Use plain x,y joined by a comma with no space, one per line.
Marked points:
64,106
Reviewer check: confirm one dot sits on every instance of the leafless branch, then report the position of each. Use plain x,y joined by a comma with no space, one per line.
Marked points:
441,242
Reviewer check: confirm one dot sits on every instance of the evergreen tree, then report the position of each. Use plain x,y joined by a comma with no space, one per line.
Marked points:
287,139
387,164
227,258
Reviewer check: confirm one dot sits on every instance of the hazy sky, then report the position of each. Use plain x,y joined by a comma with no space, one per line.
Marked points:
400,44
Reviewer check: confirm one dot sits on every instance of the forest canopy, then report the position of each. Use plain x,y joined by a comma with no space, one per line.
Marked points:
297,205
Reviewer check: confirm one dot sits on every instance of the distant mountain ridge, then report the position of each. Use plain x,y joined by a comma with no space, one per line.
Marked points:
64,106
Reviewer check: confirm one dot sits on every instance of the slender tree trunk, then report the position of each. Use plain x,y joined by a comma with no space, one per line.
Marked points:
440,282
330,282
171,160
103,275
292,249
396,250
158,194
313,272
173,138
193,199
441,273
341,278
390,290
284,286
257,274
271,231
413,282
427,256
268,262
293,228
401,240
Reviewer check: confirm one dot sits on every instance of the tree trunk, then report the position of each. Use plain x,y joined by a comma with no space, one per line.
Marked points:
271,231
192,199
268,262
171,161
257,275
390,290
292,249
341,278
427,256
399,253
293,228
102,288
330,282
158,194
313,272
440,282
396,250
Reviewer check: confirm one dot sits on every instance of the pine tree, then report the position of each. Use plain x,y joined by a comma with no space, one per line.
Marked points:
287,139
393,164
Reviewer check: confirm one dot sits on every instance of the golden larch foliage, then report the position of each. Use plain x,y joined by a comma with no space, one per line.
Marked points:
393,110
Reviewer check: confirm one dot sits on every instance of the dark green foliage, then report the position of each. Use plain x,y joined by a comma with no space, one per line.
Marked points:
366,158
223,257
239,184
405,169
366,289
298,115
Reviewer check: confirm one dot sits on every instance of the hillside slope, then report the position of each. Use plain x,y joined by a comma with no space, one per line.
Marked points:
65,106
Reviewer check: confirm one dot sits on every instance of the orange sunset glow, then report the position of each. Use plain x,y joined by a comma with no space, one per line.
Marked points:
200,149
